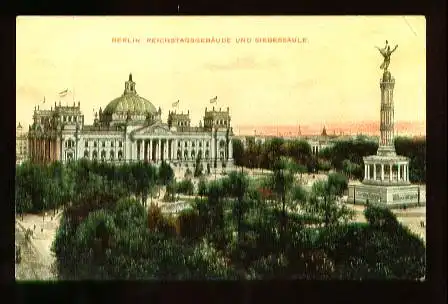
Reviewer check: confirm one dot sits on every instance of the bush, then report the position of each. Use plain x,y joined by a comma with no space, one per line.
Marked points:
338,182
155,217
190,224
185,187
379,216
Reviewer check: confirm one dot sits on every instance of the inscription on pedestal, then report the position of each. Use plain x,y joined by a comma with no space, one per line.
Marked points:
404,196
368,195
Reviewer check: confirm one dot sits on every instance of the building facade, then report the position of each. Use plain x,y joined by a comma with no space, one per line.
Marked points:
21,145
129,129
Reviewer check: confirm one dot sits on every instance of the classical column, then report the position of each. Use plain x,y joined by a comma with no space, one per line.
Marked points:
140,149
167,152
382,172
365,171
374,171
399,173
407,172
181,149
230,149
159,149
390,172
150,150
49,149
57,149
368,171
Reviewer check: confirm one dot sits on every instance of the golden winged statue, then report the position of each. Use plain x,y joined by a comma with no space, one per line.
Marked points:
386,52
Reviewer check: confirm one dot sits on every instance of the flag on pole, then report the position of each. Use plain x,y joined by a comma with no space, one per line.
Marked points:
214,99
175,104
63,93
44,99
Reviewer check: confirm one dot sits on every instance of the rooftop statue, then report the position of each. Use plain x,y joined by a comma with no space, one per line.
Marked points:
386,52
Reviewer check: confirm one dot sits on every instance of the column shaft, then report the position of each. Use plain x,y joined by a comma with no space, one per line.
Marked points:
374,171
159,149
382,172
399,172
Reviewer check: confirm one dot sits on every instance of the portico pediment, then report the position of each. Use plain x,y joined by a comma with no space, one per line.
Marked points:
158,129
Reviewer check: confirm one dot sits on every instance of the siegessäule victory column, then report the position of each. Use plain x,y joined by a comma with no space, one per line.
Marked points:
386,174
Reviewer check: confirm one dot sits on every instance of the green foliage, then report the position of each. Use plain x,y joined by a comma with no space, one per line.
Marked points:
369,252
379,216
202,187
235,230
415,149
338,183
166,173
185,187
198,168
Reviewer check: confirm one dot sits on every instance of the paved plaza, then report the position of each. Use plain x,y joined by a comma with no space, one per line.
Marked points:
37,258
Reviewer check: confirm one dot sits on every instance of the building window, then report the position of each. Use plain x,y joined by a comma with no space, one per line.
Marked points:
65,118
95,144
206,154
200,144
86,144
103,155
120,144
186,144
192,144
112,155
120,155
112,144
104,144
86,154
178,144
207,144
95,155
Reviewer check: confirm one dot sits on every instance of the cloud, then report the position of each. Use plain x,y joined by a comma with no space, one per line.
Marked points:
241,63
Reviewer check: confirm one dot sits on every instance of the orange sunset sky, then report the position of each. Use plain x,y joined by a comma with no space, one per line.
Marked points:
331,79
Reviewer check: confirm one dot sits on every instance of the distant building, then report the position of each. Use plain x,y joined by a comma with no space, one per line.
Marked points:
21,145
317,142
131,129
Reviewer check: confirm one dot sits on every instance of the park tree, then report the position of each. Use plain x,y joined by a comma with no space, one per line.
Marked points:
237,186
381,249
202,188
281,183
323,201
198,168
415,149
338,183
238,152
185,187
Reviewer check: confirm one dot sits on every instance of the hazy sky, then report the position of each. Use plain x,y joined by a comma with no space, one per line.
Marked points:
331,78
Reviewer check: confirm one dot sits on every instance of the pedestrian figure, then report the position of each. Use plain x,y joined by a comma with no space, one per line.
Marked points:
42,229
34,226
